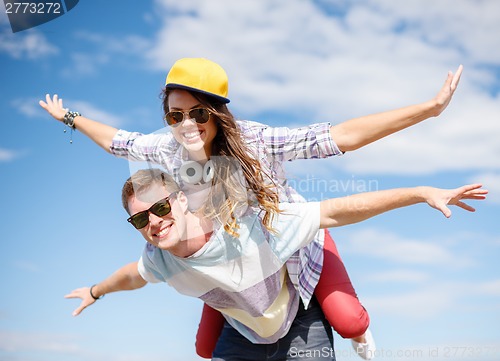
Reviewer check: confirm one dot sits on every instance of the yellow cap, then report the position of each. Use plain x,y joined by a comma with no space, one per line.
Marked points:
199,75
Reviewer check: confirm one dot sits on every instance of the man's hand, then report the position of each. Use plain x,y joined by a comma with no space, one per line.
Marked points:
84,294
441,198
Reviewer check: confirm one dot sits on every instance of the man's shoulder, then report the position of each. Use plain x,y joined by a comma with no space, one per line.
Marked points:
293,208
297,215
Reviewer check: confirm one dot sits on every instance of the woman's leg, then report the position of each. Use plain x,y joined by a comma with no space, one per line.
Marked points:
337,297
209,330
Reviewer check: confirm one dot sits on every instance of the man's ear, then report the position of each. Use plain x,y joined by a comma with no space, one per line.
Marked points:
183,201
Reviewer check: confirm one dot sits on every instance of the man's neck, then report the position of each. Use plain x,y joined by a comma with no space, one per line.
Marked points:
198,233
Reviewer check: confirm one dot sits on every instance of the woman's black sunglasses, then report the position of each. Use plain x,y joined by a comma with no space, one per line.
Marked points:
160,209
200,116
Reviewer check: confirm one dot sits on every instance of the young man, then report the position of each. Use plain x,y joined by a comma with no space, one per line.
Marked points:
244,275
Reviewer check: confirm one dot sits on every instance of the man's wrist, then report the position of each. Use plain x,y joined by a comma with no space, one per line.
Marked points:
422,194
93,295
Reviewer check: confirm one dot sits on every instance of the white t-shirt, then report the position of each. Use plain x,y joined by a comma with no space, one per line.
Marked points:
245,277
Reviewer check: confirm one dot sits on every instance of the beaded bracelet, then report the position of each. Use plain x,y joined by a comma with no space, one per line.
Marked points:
69,118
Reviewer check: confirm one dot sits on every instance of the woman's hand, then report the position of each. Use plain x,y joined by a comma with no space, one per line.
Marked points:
54,107
444,96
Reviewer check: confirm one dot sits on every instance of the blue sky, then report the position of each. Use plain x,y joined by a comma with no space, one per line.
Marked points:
430,284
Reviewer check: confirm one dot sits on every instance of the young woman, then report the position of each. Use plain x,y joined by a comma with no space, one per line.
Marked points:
195,104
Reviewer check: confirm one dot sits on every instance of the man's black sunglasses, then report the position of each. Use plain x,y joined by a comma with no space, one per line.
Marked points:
160,209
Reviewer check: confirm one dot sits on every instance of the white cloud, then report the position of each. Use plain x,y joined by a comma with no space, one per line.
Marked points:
8,155
27,266
397,276
491,288
105,50
490,181
445,23
393,248
29,44
30,108
91,112
292,56
85,64
18,341
130,44
464,137
423,303
66,345
432,298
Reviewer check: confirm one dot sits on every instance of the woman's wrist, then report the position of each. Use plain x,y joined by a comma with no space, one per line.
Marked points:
69,118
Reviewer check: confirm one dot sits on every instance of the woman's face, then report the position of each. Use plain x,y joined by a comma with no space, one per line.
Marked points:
196,138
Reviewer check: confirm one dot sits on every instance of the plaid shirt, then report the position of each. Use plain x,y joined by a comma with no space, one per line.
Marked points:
271,146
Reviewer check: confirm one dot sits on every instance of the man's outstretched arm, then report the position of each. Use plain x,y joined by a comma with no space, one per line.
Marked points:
338,212
126,278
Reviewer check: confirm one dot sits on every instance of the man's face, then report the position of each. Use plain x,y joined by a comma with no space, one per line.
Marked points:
167,232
